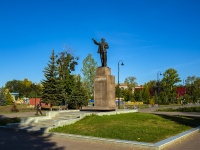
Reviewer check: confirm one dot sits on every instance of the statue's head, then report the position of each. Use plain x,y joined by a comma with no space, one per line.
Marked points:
102,39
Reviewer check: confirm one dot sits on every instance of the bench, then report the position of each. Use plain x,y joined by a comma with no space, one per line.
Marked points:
62,107
45,108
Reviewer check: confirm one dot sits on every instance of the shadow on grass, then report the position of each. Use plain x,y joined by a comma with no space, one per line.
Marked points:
184,120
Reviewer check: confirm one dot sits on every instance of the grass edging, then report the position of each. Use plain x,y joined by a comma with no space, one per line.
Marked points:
149,146
152,146
139,127
107,140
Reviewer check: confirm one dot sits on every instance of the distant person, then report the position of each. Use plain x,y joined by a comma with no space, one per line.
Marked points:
66,106
39,108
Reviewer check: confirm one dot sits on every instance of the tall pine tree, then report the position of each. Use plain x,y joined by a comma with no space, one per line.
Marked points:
79,96
51,93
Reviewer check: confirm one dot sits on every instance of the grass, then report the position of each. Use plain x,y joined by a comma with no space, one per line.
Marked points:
7,110
132,126
21,108
184,109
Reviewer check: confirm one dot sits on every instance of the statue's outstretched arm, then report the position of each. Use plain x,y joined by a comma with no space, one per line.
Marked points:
95,42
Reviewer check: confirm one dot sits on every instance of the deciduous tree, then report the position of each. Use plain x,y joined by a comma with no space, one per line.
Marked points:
66,65
130,81
145,94
8,97
170,78
89,71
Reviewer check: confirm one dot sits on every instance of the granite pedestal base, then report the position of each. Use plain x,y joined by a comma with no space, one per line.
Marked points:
104,90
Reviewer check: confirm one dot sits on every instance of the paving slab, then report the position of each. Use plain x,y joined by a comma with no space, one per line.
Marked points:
190,138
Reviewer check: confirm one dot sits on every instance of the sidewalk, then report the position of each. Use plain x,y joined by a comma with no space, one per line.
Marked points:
88,144
190,143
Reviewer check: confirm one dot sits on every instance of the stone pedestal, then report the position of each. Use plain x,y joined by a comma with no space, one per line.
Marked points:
104,90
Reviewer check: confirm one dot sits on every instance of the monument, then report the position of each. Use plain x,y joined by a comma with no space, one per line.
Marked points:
104,82
102,50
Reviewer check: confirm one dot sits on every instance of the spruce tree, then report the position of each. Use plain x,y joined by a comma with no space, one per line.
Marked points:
51,93
79,97
59,82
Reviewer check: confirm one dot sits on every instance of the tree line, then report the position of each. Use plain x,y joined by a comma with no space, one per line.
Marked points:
61,87
164,91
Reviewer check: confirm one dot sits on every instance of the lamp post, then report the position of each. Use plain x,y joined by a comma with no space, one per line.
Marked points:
118,83
159,73
183,82
35,93
158,84
183,87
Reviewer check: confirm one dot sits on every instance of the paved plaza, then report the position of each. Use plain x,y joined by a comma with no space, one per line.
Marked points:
22,139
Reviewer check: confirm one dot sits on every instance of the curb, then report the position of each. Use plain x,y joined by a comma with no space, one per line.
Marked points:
150,146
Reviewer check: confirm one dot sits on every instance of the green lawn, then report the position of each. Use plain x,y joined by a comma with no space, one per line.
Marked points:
132,126
21,108
7,110
184,109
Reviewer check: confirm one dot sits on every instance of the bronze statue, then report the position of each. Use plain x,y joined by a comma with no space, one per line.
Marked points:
102,50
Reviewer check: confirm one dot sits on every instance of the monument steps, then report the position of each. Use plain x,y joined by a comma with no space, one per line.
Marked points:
45,123
58,118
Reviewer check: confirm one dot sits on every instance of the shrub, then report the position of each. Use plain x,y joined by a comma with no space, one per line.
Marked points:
14,108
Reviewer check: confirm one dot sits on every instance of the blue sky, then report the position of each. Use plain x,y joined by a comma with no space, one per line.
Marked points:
149,36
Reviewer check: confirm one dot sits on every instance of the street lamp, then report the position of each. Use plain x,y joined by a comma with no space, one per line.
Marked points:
158,84
159,73
184,82
35,93
118,83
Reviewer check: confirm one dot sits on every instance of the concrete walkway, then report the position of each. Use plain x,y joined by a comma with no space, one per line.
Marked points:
193,138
